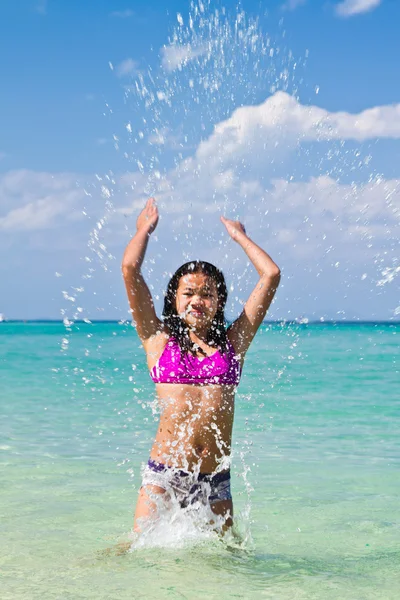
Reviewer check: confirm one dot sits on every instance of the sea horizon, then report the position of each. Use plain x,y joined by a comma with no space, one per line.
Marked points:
301,321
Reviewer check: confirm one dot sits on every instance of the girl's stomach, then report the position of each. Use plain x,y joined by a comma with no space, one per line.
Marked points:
195,427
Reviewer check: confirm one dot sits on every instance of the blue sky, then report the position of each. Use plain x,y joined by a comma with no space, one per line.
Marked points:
257,112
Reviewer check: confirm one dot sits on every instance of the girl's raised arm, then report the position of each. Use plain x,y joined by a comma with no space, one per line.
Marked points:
243,330
140,301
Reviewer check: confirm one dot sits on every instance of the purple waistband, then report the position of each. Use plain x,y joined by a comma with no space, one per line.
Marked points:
216,478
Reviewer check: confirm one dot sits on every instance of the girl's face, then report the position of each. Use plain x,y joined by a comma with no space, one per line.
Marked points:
197,300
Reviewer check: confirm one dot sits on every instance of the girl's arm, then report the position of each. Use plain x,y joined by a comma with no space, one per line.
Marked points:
243,330
139,296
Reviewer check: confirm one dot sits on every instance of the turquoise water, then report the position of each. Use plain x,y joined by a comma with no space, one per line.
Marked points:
316,468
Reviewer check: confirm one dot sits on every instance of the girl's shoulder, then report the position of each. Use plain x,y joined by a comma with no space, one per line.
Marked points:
155,345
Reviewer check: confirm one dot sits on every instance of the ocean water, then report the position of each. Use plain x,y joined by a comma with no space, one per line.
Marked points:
316,459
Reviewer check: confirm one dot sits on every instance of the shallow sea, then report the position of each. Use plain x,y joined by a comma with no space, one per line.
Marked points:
316,462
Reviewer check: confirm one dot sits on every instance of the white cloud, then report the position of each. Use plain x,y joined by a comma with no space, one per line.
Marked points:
348,8
282,120
127,67
122,14
368,208
304,219
159,137
293,4
168,138
175,56
32,200
298,213
225,181
229,173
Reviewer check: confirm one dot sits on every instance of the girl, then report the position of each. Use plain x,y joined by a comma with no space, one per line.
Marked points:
196,364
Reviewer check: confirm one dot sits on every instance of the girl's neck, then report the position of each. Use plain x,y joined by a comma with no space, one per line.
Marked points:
199,337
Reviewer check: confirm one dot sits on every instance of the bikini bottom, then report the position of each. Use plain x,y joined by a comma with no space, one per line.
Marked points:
188,487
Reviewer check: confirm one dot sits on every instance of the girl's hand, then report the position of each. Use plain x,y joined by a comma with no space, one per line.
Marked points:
148,218
234,228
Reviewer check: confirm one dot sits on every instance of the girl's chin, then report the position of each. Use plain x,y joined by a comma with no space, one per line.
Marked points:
200,321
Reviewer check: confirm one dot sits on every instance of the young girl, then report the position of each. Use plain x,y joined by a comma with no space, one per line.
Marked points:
196,364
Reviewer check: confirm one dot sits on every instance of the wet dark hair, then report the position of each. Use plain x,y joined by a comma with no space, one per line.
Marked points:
177,327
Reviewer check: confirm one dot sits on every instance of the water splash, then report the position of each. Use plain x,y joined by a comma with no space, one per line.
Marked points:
193,525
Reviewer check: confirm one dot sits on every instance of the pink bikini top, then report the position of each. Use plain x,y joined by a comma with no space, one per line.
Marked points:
217,369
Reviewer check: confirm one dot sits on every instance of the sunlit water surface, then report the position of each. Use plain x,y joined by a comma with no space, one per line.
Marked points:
315,469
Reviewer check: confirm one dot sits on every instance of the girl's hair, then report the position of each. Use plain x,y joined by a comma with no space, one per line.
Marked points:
177,327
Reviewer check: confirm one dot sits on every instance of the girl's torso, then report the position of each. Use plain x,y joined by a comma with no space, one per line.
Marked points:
196,420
